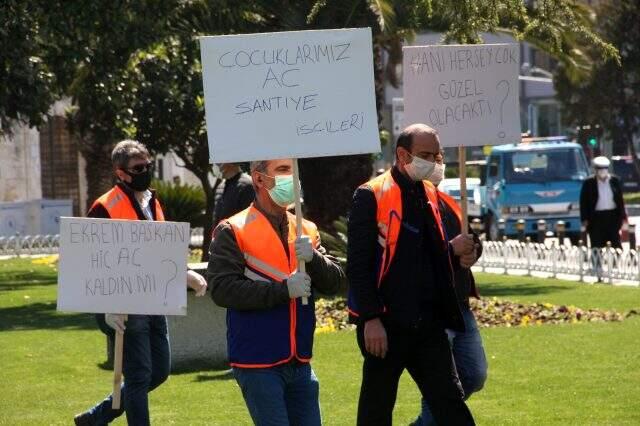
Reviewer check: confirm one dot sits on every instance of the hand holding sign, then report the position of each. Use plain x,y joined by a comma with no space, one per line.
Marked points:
197,283
116,321
123,266
114,267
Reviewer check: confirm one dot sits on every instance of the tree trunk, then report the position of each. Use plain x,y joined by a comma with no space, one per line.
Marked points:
328,184
98,168
209,193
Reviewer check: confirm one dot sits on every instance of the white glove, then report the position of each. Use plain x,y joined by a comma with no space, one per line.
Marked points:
299,285
304,249
115,321
197,282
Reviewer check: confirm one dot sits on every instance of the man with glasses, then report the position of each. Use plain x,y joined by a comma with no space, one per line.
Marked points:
468,352
146,356
402,296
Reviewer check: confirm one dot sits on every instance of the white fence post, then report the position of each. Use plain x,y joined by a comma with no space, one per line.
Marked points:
504,254
637,261
554,262
610,261
527,253
581,260
18,244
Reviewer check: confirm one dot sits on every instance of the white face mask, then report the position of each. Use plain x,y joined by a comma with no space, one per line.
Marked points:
602,173
419,169
438,174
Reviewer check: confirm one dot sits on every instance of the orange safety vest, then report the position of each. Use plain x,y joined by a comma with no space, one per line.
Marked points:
389,215
119,206
266,338
389,220
453,204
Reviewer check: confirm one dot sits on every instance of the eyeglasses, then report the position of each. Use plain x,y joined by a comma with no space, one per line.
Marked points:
141,168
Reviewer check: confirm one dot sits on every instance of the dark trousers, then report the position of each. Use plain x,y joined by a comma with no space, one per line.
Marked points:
426,355
146,364
605,226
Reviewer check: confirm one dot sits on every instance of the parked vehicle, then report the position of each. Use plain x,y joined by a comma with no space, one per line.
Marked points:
622,166
539,178
476,188
452,187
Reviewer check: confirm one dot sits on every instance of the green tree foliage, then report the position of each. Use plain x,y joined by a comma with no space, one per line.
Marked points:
181,203
27,86
132,67
608,96
167,101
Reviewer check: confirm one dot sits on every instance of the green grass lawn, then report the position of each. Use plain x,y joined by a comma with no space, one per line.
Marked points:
551,374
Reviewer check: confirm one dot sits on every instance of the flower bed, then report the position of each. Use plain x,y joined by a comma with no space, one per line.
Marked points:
332,314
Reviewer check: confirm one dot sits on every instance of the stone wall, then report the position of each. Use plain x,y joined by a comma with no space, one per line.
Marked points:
20,166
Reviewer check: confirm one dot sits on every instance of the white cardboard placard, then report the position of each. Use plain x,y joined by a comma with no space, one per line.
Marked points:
123,266
289,95
468,93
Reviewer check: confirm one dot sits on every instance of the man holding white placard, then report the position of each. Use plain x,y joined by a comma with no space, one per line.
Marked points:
401,285
468,352
146,362
253,272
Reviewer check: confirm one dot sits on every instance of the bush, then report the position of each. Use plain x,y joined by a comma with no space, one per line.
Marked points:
181,203
335,241
632,198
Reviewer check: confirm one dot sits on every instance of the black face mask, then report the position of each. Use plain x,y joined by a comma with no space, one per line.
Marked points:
139,181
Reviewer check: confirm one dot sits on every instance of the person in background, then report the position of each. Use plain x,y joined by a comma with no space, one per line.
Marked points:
236,193
468,352
401,289
602,210
146,358
253,272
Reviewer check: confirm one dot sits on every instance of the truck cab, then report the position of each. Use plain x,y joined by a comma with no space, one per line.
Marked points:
539,178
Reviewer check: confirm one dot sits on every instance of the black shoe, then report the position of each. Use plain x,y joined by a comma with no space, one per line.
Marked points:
84,419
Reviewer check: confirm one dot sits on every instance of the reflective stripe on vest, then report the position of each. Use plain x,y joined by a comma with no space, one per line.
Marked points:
118,205
266,260
389,215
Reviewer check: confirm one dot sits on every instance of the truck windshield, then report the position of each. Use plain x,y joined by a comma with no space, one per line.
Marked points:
545,166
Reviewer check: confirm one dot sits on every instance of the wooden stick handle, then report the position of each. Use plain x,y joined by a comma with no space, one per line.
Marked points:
296,191
117,369
462,161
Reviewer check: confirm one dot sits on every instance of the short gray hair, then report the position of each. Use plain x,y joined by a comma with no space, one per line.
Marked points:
126,150
259,166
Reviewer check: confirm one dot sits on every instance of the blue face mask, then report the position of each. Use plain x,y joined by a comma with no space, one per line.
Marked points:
282,193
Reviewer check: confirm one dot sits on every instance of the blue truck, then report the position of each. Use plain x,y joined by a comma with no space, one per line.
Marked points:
539,178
